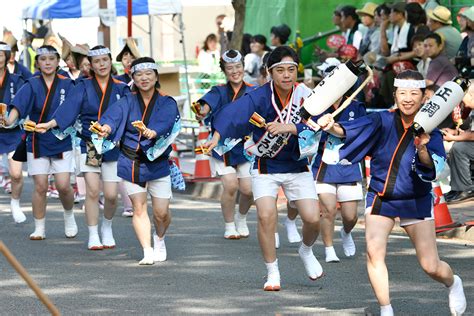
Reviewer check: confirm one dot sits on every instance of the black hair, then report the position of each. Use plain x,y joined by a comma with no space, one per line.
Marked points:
383,8
279,53
8,54
282,32
146,60
415,14
245,48
261,39
51,48
417,38
410,74
438,39
91,71
349,10
231,53
210,37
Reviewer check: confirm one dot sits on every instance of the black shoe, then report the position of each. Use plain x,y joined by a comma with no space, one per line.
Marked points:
461,197
448,196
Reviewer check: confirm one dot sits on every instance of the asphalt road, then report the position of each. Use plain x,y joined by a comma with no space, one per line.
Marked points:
206,274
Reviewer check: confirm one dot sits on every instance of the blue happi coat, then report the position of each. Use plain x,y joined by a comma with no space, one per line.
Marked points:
22,71
9,137
232,122
400,185
142,159
325,168
32,100
217,98
84,102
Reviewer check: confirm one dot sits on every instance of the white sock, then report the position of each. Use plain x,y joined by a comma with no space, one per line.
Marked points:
241,216
39,227
14,203
291,221
68,213
93,230
331,254
17,213
386,310
230,225
272,267
306,250
106,223
147,252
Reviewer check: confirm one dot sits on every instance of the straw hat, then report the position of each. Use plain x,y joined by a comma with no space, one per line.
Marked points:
10,40
440,14
66,47
368,9
131,47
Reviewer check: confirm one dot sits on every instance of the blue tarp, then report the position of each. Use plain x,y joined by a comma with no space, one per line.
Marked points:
67,9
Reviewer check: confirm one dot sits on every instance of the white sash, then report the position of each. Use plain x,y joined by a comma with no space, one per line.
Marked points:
269,146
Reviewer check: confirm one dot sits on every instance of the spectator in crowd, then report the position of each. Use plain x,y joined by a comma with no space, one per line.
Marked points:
382,18
350,22
416,16
245,47
336,18
439,21
400,51
371,40
253,61
279,35
466,50
440,69
460,155
208,58
425,4
420,53
402,32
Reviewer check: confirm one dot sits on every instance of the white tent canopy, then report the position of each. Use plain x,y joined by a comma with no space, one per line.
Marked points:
67,9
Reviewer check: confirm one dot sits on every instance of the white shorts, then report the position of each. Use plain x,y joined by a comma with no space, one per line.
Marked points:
296,186
159,188
48,165
10,154
108,170
242,170
343,192
407,221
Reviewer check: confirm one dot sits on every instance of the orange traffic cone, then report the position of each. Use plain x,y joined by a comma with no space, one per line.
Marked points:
443,220
202,168
174,155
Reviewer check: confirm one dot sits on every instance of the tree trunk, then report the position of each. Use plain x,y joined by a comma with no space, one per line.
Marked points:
237,34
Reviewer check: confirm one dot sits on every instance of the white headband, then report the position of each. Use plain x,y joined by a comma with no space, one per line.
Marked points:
287,62
98,52
143,66
410,84
45,51
235,59
5,48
